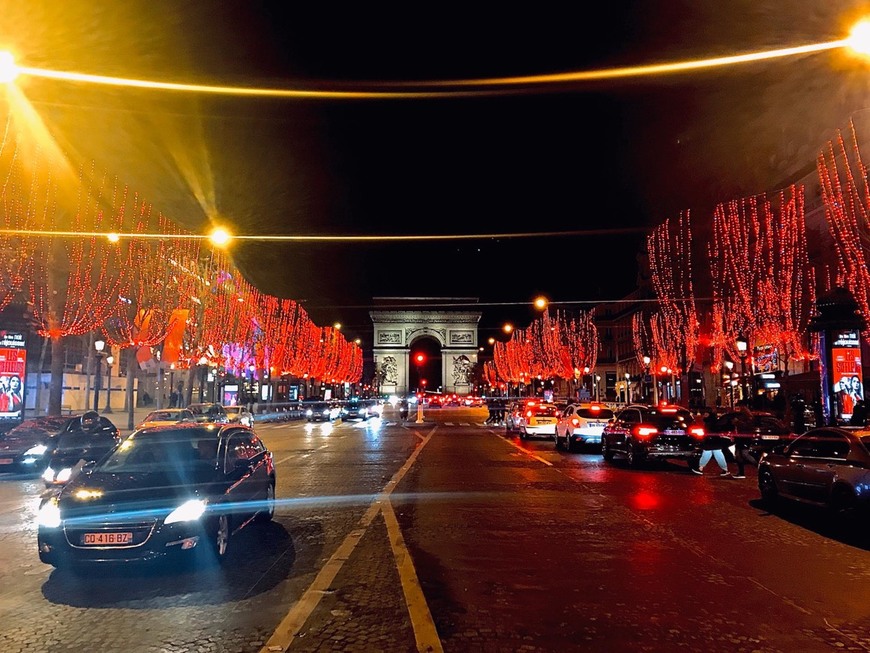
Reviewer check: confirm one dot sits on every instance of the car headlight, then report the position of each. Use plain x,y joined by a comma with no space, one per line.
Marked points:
187,511
63,475
309,412
48,475
49,514
38,450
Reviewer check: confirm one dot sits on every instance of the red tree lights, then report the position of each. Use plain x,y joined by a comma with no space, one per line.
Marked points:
763,285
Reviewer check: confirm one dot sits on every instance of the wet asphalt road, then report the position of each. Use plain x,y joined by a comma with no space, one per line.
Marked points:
482,542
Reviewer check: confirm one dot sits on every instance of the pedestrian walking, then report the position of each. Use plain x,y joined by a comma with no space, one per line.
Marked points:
713,446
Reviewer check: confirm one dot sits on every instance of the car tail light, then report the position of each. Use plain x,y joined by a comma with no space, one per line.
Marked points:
594,409
575,421
697,432
529,413
644,432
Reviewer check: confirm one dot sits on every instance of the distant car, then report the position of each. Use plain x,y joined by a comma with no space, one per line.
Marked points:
357,409
536,419
27,446
642,433
182,491
209,413
166,417
239,415
321,411
581,425
80,443
827,467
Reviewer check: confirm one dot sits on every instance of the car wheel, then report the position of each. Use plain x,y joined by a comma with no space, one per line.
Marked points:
631,456
523,434
767,487
842,503
570,444
558,442
266,515
606,453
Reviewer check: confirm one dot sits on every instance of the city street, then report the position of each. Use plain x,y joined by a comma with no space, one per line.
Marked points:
452,535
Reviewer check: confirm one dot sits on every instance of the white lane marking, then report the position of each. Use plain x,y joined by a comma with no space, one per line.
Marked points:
295,619
425,632
525,451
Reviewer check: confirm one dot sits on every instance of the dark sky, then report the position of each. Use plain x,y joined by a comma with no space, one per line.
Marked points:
617,156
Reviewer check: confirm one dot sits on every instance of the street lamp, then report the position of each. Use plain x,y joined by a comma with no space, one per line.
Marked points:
99,345
742,351
730,366
110,360
627,382
646,361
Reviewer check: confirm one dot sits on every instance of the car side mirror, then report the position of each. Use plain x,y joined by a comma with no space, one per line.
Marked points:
242,465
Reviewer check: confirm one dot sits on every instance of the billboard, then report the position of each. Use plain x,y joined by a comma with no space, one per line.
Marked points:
846,368
13,364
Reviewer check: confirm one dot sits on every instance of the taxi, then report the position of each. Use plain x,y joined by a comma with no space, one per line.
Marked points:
537,419
581,425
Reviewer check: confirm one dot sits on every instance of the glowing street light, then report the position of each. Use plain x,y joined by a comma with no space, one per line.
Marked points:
508,327
420,359
8,70
541,303
859,38
220,237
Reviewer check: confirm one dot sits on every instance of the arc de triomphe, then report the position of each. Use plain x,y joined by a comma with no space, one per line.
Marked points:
395,331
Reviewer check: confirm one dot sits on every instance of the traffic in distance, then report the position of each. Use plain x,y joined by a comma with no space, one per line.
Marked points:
187,479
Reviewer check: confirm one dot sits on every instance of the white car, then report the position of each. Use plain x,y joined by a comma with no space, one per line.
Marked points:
581,425
239,415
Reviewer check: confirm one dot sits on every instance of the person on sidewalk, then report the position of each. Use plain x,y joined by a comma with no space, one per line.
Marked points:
712,446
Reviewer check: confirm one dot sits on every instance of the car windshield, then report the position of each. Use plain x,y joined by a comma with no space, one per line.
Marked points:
166,415
152,451
669,420
545,411
594,413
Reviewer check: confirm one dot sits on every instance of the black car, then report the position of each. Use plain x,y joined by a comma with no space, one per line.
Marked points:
827,467
320,411
641,433
357,409
170,491
78,445
27,446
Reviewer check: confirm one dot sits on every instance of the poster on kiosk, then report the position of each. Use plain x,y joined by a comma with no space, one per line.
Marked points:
846,367
13,363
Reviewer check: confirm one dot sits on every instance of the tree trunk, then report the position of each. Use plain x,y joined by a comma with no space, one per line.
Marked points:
55,388
132,364
37,406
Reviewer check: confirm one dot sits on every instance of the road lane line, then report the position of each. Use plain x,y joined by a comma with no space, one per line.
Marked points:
295,619
525,451
425,632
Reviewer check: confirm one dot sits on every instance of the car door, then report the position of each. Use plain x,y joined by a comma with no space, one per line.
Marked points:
242,470
818,467
622,427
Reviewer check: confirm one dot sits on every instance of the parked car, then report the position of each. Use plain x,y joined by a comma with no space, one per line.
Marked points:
321,411
209,413
167,491
537,419
166,417
641,433
84,440
827,467
239,415
28,446
581,425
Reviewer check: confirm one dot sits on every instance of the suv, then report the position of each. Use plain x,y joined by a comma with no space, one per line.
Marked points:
581,424
641,433
209,413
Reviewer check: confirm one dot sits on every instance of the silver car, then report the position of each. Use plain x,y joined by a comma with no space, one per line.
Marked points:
826,466
239,415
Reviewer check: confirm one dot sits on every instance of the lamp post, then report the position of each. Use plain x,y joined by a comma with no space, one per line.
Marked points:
420,359
742,351
627,389
110,360
597,379
646,361
99,345
730,366
203,366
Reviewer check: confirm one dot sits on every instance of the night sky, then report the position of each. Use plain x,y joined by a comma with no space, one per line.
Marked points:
617,156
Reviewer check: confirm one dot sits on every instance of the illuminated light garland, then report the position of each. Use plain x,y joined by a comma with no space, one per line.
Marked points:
674,327
847,202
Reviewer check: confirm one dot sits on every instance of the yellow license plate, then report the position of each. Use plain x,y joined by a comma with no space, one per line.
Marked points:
106,539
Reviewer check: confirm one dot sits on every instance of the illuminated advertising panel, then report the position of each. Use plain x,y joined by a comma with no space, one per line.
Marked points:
765,359
13,363
231,394
846,368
